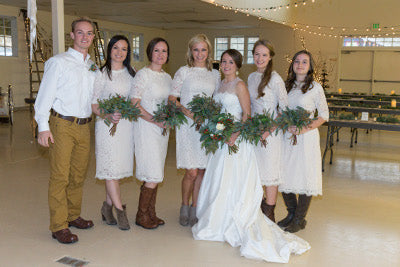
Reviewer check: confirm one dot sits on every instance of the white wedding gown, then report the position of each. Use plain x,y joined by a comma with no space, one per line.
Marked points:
229,200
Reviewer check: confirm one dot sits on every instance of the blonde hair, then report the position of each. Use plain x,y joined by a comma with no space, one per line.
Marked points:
198,39
81,19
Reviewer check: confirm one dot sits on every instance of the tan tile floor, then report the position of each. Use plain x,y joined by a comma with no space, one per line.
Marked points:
355,223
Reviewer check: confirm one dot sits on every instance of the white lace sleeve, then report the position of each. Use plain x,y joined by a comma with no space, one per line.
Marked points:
139,84
179,77
278,86
320,102
98,86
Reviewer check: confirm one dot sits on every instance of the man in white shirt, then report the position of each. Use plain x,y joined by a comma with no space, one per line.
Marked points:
64,98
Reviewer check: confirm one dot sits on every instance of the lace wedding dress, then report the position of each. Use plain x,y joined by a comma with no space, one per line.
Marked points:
229,201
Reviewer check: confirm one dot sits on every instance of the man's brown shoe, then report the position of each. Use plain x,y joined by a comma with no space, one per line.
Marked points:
81,223
65,236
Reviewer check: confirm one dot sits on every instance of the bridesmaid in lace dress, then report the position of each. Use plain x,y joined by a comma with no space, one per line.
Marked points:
303,171
151,87
114,154
196,78
267,93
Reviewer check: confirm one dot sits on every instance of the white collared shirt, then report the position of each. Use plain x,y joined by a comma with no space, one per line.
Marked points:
67,87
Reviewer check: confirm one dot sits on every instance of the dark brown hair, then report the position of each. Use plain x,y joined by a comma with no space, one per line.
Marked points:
235,55
152,44
126,62
81,19
266,77
291,77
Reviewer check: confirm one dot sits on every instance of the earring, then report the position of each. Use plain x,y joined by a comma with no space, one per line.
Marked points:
237,73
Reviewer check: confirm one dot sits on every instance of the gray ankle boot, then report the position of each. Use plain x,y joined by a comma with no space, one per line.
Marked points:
184,215
123,222
107,214
192,216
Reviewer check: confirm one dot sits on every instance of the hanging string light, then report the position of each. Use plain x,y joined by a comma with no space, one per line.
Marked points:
332,31
246,10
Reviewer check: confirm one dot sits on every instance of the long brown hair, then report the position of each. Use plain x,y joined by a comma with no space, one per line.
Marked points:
266,77
291,77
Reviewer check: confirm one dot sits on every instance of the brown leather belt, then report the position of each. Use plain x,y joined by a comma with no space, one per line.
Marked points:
78,121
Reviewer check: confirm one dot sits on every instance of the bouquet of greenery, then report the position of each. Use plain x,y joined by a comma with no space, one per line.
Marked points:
254,127
121,105
298,117
203,108
217,131
169,114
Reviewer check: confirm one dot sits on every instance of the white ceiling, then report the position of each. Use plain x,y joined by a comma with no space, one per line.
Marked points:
319,15
165,14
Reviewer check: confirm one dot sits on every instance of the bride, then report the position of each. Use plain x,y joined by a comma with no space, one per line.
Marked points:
229,200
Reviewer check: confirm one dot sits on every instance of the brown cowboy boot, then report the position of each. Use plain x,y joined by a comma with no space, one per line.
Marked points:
143,214
152,208
123,222
107,214
268,210
299,221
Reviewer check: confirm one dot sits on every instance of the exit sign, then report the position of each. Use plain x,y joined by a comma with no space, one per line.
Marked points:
375,26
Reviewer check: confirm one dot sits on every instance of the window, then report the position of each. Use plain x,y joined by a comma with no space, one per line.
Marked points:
371,41
137,47
243,44
221,44
8,36
238,44
250,43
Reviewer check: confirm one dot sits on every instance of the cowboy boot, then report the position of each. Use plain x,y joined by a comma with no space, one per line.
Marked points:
192,216
184,215
291,204
299,221
152,208
107,214
143,214
268,210
123,222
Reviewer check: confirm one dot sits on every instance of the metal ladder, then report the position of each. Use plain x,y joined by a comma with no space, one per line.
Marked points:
98,46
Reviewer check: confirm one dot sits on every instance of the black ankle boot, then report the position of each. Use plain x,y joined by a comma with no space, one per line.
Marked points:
299,221
291,204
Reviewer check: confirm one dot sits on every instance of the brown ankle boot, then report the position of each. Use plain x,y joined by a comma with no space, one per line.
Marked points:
152,208
268,210
123,222
107,214
143,214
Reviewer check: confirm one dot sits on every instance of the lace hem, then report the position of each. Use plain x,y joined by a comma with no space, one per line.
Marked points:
114,177
269,182
300,192
191,167
146,179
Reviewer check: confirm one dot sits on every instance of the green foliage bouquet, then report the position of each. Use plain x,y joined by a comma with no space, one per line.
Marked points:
254,127
203,108
169,114
217,131
121,105
298,117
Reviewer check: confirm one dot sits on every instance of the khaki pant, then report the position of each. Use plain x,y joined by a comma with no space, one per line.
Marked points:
69,156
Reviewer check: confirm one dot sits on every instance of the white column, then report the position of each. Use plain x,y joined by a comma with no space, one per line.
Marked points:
57,15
